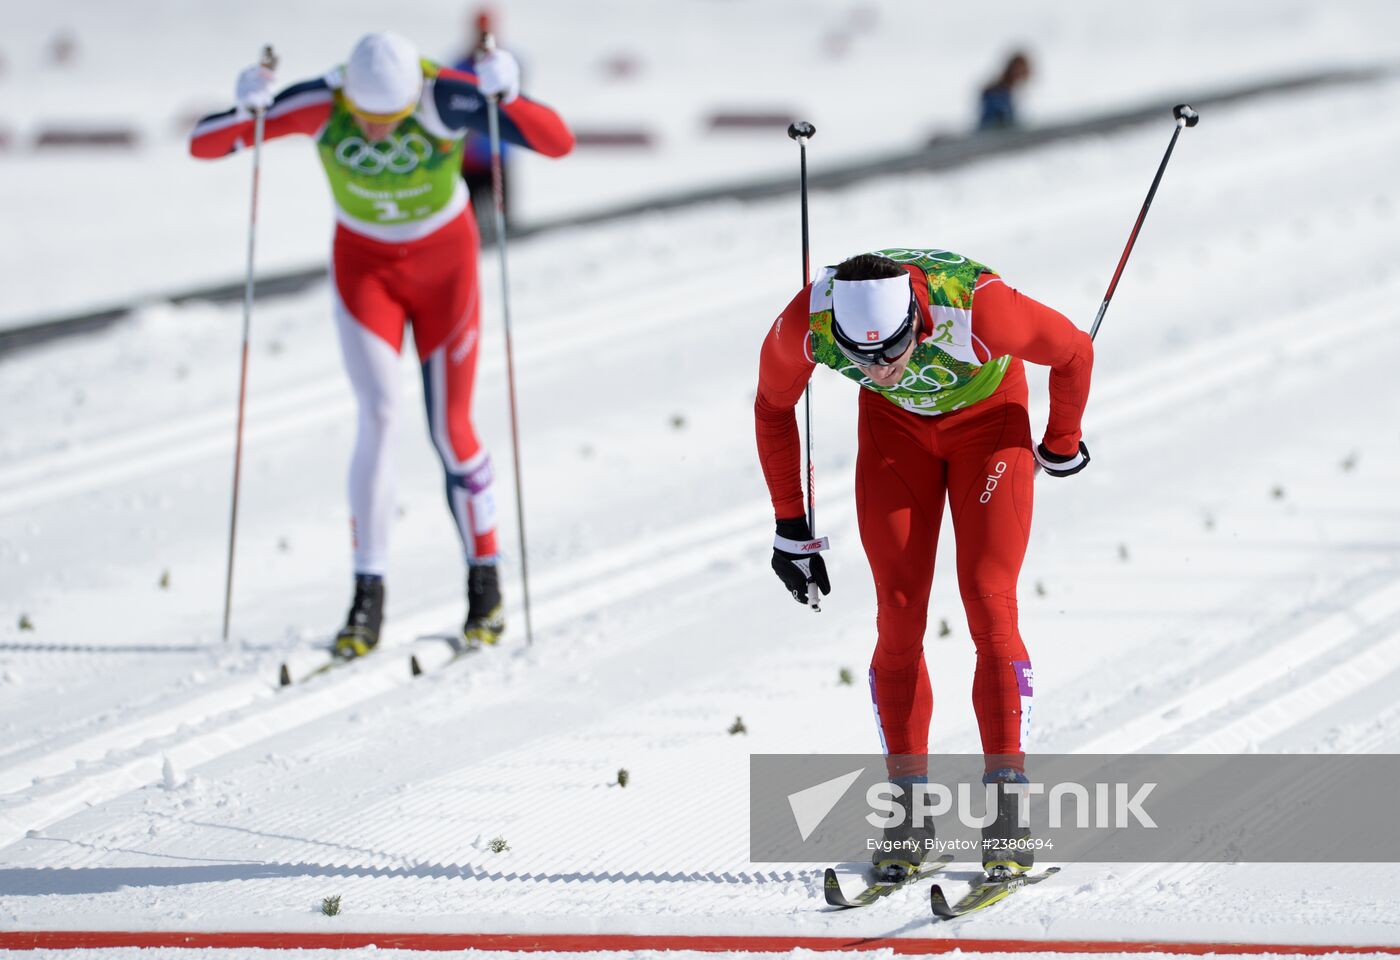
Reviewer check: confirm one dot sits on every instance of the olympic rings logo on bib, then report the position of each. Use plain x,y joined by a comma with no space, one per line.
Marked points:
907,255
929,378
396,155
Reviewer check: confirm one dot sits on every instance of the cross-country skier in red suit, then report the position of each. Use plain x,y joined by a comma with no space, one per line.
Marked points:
389,126
936,342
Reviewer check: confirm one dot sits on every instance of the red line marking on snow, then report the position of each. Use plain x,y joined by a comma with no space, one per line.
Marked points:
582,942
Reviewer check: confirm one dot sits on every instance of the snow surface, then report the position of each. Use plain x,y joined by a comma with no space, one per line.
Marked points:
1224,577
371,953
86,229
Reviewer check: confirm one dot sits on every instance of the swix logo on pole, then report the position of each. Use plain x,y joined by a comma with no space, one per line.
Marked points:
993,479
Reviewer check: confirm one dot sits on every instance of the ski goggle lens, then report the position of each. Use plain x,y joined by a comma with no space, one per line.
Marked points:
878,354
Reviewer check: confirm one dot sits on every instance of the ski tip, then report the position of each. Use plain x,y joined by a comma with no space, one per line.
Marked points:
284,677
939,903
414,667
831,887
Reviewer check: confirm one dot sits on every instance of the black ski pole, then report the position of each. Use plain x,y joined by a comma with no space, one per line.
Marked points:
1185,117
802,131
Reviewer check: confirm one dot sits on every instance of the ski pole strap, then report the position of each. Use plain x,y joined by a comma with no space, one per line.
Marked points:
801,547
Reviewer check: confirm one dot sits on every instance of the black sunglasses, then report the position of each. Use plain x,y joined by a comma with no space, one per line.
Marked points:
880,354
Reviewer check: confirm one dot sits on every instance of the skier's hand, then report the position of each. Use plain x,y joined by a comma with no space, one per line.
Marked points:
797,559
498,74
1061,466
254,90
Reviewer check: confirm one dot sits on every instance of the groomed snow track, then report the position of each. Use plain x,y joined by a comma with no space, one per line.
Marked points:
1270,619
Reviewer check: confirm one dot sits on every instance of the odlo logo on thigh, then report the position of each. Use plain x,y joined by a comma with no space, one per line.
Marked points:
992,479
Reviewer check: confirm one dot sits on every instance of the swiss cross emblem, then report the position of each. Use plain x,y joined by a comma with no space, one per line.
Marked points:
872,334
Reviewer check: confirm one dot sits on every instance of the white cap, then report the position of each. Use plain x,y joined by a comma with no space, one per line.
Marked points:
384,76
871,311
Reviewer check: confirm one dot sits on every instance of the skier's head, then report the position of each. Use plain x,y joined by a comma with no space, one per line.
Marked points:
383,81
875,318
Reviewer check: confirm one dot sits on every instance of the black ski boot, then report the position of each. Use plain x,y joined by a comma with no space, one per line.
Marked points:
486,614
1006,851
360,634
904,846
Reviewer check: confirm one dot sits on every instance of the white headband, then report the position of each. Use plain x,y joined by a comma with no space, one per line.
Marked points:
871,311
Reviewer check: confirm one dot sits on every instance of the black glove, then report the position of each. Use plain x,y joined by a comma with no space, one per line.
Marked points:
797,559
1060,466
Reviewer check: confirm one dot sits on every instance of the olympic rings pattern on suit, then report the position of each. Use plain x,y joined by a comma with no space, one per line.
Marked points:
906,255
397,154
928,378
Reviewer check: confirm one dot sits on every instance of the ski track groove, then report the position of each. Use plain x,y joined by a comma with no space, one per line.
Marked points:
1268,663
77,470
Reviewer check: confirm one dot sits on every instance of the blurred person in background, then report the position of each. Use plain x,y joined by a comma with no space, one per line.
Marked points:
389,127
937,344
998,102
476,153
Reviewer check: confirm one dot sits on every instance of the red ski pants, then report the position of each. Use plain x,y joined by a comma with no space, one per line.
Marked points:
979,461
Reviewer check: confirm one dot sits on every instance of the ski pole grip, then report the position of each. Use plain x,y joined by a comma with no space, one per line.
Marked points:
1186,114
801,130
269,57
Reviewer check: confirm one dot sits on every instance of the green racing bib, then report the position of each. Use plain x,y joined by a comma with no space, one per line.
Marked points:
944,373
406,178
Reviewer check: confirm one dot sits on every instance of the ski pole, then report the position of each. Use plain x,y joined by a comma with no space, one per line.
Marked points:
802,131
268,61
1185,117
498,194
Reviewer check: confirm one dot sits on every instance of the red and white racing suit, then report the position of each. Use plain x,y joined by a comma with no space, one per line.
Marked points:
405,253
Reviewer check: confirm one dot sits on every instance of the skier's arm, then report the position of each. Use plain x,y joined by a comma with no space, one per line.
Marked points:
784,367
301,108
1009,322
527,123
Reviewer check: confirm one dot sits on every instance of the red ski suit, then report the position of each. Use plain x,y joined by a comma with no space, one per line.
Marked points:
909,465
